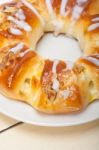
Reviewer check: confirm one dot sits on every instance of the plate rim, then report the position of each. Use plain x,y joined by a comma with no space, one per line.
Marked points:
81,122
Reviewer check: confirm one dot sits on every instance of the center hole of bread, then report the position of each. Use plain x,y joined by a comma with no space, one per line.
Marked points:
60,47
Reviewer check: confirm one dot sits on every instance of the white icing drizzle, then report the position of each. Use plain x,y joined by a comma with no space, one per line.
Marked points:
95,19
30,6
10,80
49,7
21,17
56,62
80,2
20,14
20,23
58,25
78,9
93,26
62,8
23,53
55,85
65,93
69,65
15,31
76,13
92,60
17,48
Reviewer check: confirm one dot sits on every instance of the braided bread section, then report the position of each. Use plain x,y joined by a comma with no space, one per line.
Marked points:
49,86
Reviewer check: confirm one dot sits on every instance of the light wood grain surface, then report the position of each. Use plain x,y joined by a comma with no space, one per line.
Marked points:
6,122
29,137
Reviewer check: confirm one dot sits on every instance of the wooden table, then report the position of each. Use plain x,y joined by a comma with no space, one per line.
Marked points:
29,137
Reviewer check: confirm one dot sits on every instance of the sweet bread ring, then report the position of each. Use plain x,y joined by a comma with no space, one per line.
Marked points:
49,86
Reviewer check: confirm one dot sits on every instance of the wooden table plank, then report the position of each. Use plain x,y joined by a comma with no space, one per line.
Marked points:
5,122
23,137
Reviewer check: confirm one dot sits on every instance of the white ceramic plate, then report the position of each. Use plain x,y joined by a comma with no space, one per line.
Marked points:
25,113
54,48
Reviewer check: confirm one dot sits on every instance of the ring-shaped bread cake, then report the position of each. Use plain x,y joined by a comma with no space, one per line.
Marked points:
50,86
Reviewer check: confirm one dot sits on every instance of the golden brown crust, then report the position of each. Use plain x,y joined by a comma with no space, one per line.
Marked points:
30,18
49,86
87,69
67,99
